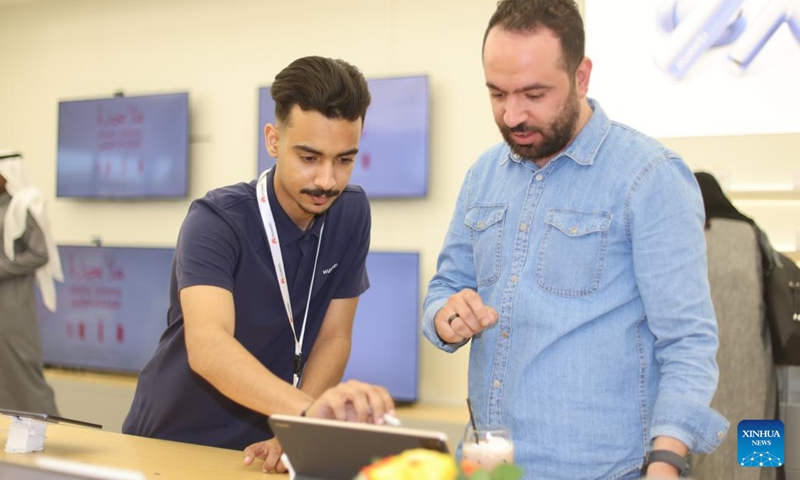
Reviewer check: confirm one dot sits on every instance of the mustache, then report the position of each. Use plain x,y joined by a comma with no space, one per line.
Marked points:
522,128
318,192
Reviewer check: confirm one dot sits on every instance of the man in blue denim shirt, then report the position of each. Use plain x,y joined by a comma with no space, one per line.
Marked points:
575,261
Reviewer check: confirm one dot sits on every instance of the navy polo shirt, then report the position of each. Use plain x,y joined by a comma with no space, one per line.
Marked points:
222,243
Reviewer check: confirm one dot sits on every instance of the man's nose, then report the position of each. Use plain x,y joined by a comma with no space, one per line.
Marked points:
325,177
514,113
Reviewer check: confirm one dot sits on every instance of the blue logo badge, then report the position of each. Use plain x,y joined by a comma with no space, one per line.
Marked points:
761,443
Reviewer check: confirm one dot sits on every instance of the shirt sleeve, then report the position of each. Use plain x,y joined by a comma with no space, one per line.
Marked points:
30,252
455,270
207,249
665,221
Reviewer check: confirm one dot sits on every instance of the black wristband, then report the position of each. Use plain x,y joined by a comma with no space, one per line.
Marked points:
668,457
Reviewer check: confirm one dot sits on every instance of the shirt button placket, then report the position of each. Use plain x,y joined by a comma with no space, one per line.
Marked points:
519,252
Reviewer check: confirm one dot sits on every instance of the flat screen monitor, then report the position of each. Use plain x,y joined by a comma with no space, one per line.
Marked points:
123,147
385,348
393,154
111,308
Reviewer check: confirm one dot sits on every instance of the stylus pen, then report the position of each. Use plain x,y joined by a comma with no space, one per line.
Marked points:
388,418
391,420
758,32
695,34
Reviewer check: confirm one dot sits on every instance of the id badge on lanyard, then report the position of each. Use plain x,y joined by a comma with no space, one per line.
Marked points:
277,259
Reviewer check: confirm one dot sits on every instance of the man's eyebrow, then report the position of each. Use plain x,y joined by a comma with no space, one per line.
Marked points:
526,88
347,153
314,151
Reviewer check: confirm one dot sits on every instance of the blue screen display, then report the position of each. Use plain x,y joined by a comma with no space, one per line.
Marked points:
393,154
123,147
386,331
111,308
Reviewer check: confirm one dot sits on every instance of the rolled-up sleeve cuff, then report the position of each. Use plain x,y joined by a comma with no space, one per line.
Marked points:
429,330
696,425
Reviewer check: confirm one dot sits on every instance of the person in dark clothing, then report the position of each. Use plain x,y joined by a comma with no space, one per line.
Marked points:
265,283
747,378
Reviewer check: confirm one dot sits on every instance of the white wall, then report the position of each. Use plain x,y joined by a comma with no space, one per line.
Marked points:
221,51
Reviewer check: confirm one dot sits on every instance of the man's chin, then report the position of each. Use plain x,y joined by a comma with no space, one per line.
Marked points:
527,152
318,209
523,150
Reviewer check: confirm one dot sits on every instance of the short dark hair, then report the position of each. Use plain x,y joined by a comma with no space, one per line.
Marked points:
560,16
329,86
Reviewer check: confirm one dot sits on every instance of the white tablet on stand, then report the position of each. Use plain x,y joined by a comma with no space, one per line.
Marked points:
26,433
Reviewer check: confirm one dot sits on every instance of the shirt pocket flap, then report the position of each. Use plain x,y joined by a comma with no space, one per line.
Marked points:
481,217
575,224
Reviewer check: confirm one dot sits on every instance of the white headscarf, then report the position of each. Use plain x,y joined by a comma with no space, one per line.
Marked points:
25,198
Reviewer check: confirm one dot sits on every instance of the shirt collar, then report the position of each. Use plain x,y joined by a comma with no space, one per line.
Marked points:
584,147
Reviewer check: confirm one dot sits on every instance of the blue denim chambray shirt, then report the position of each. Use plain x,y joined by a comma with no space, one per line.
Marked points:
596,264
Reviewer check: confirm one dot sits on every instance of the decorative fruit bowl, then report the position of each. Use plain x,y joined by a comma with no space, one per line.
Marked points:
422,464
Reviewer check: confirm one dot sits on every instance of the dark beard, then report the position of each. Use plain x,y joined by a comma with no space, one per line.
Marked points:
557,135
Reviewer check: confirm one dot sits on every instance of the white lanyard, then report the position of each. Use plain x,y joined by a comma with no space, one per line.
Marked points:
277,258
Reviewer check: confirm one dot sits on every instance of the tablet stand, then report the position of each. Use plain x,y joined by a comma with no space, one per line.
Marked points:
25,435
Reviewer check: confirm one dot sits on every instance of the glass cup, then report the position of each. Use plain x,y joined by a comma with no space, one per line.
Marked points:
488,446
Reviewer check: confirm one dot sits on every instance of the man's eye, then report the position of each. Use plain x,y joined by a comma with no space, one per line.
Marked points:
534,96
307,158
496,95
346,159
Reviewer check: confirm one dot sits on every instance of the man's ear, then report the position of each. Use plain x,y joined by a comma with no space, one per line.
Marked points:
582,75
271,137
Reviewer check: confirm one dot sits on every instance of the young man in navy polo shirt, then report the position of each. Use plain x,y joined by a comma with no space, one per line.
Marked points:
265,283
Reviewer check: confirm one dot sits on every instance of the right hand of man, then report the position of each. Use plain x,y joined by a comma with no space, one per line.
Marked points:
464,316
353,401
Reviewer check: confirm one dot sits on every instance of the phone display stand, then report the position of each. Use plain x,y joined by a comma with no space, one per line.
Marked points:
25,435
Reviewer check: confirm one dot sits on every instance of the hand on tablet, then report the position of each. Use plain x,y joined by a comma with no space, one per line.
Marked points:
270,451
353,401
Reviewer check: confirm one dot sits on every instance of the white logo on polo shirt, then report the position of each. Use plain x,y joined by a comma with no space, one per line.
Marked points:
329,270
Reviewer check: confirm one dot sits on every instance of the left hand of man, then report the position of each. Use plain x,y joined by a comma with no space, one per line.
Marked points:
270,451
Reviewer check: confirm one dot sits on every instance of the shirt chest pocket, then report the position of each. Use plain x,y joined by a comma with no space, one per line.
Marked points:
573,251
486,225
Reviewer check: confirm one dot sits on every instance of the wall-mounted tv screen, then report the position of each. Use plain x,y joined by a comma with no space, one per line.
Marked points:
386,330
123,147
111,308
393,154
